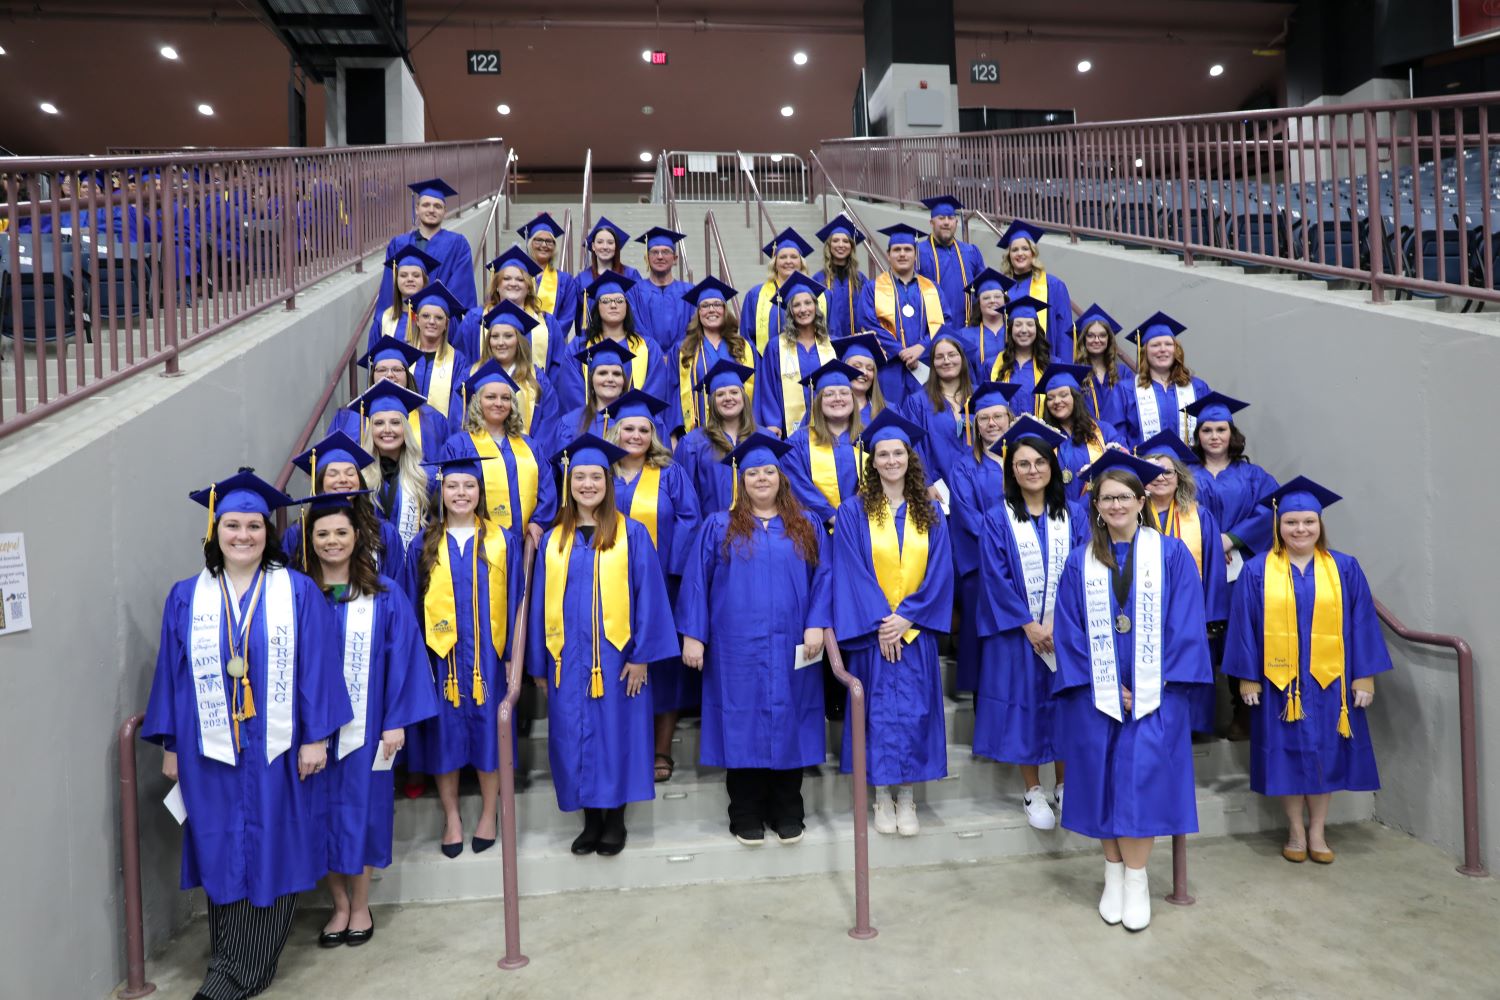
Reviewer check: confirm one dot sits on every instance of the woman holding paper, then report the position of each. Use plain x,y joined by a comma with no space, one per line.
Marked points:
1130,645
247,691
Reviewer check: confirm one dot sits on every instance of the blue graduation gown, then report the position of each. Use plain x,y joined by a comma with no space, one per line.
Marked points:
975,493
1025,376
712,480
1106,403
564,302
545,511
1167,408
672,686
452,408
401,693
1307,757
455,266
951,268
585,302
900,382
905,727
842,300
776,320
981,346
391,564
770,404
704,358
466,735
749,609
1234,498
600,749
432,426
1074,458
1059,324
797,466
1131,778
254,831
1202,701
661,312
569,378
944,445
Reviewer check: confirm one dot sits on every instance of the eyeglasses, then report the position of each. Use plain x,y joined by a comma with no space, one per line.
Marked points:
1116,501
1030,466
611,300
541,242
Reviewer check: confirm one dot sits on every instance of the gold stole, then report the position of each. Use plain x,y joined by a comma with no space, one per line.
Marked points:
999,373
638,365
414,421
890,317
898,568
643,503
440,611
609,600
793,393
546,289
389,320
540,337
497,479
1095,446
937,266
526,401
1182,523
825,470
1038,291
688,394
440,378
1326,660
765,304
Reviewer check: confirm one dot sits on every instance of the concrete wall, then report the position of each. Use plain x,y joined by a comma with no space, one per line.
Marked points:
1387,405
101,495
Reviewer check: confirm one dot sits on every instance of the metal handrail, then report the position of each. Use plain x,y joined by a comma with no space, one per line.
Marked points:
1000,233
859,776
565,242
670,195
130,862
514,677
482,255
876,255
762,216
586,210
713,249
1473,865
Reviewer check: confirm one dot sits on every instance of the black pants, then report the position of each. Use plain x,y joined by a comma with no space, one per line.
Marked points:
759,797
246,943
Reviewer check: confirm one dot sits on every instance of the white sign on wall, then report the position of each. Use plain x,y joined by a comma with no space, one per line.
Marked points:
15,597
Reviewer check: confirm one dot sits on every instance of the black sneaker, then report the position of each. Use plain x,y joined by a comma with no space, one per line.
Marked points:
750,836
789,833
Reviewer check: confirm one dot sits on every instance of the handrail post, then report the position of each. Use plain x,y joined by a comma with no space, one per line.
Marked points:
1072,186
357,213
130,860
1180,895
288,234
515,677
170,280
1184,228
859,777
1377,221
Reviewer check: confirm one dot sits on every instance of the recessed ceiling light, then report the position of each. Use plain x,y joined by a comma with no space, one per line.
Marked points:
1216,70
775,157
645,55
504,109
800,58
2,50
167,52
647,109
206,110
48,107
786,111
1139,162
645,157
1084,66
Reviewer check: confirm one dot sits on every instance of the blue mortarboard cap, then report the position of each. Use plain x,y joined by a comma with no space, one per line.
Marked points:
889,425
458,456
723,374
331,501
487,373
1158,324
609,283
435,293
841,224
987,394
830,373
1166,443
901,233
588,449
635,403
510,314
1300,494
336,447
660,236
1026,428
989,280
1025,307
787,238
621,236
1094,313
386,396
796,284
433,187
515,257
1058,375
943,204
708,290
543,223
860,345
1214,406
605,352
1114,458
756,450
410,256
388,348
242,493
1021,228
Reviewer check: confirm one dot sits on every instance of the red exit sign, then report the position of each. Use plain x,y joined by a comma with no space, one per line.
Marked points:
658,57
679,171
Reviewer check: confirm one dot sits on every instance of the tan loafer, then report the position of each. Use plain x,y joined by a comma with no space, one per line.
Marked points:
1321,857
1296,855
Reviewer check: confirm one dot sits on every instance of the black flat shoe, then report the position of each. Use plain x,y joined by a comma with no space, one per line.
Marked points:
332,940
356,938
482,844
612,841
452,850
593,828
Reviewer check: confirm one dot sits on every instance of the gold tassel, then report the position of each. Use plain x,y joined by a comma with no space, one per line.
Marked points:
247,707
596,682
734,494
478,686
450,687
1344,729
212,497
1293,711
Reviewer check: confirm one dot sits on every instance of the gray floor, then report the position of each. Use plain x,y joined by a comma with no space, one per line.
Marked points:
1390,918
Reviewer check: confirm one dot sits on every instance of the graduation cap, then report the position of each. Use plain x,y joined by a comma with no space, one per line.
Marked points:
507,313
609,282
242,493
1214,406
388,348
1166,443
1020,228
605,352
320,502
410,256
841,224
943,204
889,425
1094,314
435,293
457,457
386,396
860,345
636,403
1158,324
830,374
987,394
1114,458
660,236
710,289
336,447
543,223
1059,375
1299,495
989,280
588,449
787,238
1025,307
796,285
621,236
725,373
486,374
756,450
1028,428
433,187
901,233
515,257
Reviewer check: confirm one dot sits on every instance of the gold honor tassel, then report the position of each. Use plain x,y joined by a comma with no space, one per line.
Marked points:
450,686
478,677
212,497
596,671
1344,729
247,706
734,494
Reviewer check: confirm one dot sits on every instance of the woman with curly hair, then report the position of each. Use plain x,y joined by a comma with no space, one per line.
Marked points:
892,596
762,713
712,335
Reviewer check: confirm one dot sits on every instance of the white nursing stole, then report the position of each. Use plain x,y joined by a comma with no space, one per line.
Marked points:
1146,629
409,524
359,640
206,658
1041,575
1145,404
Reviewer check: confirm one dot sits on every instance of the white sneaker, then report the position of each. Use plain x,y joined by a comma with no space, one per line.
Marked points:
906,813
1135,914
1113,900
1038,811
885,811
1057,797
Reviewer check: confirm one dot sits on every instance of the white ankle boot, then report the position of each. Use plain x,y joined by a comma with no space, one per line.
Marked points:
1113,900
906,812
885,811
1136,912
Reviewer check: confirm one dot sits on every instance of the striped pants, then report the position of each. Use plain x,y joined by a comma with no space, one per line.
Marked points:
246,942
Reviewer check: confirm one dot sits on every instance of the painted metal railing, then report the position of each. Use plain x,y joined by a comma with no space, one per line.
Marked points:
715,260
130,863
586,213
126,262
752,196
858,778
674,223
720,176
1400,195
873,250
515,676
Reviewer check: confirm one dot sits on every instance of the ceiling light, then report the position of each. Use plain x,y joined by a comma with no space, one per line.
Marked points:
167,52
786,111
1139,162
800,58
647,109
2,50
206,110
1216,70
1084,66
645,157
645,55
504,109
775,157
48,107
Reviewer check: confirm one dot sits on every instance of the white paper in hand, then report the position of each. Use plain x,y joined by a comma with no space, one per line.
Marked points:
920,372
945,498
175,805
1236,563
382,762
800,660
1049,658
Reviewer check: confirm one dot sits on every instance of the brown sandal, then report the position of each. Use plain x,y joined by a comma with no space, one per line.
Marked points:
665,768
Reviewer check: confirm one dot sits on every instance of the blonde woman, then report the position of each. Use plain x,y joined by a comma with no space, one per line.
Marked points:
507,341
513,278
521,497
728,421
713,335
863,353
763,311
1022,263
803,346
442,367
411,271
841,274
